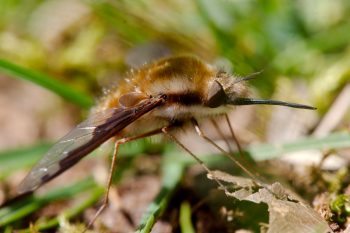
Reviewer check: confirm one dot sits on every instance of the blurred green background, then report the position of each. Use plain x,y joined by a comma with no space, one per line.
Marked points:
90,44
87,42
84,47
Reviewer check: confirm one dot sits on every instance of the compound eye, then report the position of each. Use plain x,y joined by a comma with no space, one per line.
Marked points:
216,95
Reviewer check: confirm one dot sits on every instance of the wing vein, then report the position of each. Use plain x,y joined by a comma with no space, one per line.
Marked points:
83,139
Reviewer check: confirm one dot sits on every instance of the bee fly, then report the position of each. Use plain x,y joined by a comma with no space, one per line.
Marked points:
155,99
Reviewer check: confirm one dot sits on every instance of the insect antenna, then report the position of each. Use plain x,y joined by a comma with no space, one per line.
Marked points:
249,101
248,77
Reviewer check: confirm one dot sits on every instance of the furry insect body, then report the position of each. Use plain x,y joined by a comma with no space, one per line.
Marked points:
175,89
161,96
194,89
187,82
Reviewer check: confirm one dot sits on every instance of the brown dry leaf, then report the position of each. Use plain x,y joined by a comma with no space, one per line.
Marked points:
287,213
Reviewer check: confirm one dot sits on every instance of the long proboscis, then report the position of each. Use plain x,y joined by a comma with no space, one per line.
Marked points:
248,101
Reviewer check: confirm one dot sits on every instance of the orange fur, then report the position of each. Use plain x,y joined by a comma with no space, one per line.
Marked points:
174,75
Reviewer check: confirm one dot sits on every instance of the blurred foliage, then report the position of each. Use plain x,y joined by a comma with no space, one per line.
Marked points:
341,207
88,44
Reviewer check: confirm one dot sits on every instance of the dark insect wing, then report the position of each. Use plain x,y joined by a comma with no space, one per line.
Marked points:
49,165
83,139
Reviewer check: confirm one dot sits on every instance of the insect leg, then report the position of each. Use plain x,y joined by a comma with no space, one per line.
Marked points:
239,147
113,165
217,128
230,150
202,135
241,159
233,135
165,130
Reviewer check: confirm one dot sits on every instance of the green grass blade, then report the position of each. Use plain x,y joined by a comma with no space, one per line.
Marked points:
130,31
19,158
338,140
269,151
172,173
96,194
185,218
47,82
20,209
173,169
15,159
